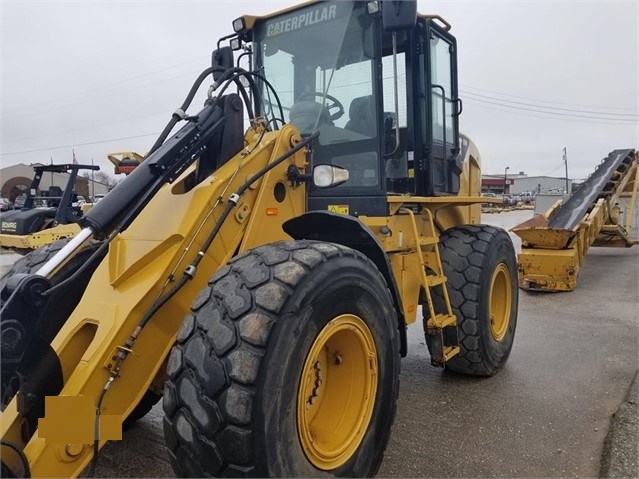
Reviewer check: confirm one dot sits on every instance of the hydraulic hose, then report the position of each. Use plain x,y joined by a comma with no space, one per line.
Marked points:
176,117
231,203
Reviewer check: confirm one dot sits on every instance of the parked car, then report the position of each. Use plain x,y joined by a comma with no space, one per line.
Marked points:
489,195
5,204
527,197
509,200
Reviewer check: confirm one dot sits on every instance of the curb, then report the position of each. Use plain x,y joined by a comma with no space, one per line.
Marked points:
620,456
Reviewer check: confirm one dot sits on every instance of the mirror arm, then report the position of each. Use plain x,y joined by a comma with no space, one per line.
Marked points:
295,177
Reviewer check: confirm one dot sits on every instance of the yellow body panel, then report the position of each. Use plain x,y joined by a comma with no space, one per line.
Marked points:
143,262
548,270
41,238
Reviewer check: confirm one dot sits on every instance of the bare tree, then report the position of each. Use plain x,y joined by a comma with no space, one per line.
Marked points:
101,177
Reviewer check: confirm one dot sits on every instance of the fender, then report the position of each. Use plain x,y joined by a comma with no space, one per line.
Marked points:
351,232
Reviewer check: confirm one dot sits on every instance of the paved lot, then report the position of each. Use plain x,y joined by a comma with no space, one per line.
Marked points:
545,415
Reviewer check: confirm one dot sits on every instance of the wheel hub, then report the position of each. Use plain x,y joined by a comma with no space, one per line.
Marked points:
500,302
337,392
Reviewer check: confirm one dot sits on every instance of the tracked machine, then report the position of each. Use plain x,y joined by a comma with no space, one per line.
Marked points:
261,281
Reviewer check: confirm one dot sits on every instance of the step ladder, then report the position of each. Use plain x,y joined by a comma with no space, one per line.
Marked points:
440,326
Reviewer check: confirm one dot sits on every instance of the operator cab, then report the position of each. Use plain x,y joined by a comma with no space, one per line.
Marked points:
336,67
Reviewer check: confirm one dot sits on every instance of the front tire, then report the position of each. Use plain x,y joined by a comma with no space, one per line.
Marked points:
480,264
288,366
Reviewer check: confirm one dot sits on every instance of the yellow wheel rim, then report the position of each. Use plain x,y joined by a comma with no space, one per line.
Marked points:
500,302
337,392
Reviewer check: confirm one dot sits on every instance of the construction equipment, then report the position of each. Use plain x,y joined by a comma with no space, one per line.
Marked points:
555,244
34,225
262,280
125,162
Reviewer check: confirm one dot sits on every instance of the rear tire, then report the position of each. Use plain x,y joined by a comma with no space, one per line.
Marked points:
288,340
480,264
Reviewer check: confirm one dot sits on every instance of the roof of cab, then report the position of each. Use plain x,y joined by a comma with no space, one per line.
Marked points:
250,20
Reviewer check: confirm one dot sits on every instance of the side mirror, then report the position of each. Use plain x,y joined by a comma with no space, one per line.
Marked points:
222,57
399,14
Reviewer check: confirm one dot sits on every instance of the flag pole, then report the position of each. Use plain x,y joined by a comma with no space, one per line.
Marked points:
92,183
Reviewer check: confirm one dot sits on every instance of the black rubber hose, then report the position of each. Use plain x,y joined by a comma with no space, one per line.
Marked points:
175,118
270,86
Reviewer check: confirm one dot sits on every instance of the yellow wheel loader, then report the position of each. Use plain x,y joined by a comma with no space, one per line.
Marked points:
261,281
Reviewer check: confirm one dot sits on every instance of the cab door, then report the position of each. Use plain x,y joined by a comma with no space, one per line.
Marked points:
440,107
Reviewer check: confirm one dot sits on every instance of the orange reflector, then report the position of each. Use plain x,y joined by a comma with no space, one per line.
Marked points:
411,308
271,211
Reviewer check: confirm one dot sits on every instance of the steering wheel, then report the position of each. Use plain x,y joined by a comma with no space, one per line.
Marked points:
335,103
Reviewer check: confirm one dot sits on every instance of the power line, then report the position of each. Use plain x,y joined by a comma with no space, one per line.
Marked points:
553,170
547,101
618,120
108,85
106,95
505,109
549,107
166,113
78,144
506,106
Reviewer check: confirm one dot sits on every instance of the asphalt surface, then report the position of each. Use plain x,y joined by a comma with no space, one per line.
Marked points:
564,393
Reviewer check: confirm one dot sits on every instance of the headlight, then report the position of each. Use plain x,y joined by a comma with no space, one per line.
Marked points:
238,24
325,176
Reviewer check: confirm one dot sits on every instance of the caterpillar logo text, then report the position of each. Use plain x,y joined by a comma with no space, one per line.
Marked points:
303,20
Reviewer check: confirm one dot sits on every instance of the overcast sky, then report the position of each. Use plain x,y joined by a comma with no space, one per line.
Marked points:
535,77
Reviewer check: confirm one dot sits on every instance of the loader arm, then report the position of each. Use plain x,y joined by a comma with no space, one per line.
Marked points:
143,262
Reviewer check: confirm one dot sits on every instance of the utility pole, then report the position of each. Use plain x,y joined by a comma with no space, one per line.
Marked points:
566,164
506,177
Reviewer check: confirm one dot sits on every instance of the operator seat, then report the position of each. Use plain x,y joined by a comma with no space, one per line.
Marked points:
55,195
361,116
307,115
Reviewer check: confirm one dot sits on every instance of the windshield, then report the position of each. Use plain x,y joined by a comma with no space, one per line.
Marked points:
320,61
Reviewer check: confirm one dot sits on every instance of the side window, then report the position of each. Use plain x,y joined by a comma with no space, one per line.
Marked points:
389,88
442,103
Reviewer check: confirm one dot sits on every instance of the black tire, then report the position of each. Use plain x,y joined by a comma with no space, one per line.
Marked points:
235,375
65,300
472,256
150,399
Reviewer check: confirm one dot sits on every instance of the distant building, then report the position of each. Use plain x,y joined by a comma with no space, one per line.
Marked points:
519,183
16,179
541,184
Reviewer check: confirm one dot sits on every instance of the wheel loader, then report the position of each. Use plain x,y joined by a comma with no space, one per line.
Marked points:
258,270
